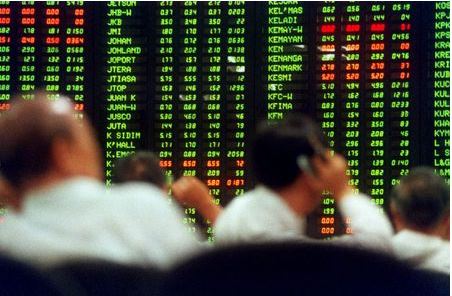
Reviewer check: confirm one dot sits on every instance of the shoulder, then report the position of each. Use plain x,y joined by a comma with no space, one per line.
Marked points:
137,191
11,223
440,259
138,197
240,204
246,211
443,249
407,239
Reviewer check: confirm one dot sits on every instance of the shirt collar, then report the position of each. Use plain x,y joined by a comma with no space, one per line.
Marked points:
78,188
298,223
412,236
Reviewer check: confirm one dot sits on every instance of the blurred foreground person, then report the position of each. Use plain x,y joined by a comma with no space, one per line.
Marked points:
293,167
62,209
421,215
143,166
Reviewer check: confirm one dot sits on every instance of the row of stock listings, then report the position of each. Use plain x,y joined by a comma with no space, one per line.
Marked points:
190,81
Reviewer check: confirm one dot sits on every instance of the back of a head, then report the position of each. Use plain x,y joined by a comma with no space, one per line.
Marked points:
42,137
28,130
421,198
140,166
277,146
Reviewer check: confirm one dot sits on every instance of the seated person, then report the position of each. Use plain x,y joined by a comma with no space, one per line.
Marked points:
61,209
141,166
144,166
421,216
293,167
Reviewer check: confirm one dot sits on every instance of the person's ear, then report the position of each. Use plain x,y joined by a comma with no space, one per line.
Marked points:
9,196
445,223
396,218
62,156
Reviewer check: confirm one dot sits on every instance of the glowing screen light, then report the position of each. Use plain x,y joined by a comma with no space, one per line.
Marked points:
191,80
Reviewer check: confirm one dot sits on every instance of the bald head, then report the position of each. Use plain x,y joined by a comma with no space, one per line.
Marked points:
36,138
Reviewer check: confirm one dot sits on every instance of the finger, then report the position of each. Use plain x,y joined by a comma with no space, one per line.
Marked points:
319,164
175,189
184,182
178,187
194,181
339,162
327,154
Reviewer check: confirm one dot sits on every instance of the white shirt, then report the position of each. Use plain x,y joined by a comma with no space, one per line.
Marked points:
261,215
132,223
422,250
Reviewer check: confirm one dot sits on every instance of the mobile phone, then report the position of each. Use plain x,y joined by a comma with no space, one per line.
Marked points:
303,161
304,164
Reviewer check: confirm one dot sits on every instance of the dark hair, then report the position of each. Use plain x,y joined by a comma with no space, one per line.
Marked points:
421,198
28,131
277,146
140,166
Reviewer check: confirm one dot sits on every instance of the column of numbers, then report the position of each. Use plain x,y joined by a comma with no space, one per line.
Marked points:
213,101
5,55
164,106
51,50
400,90
74,55
441,90
375,98
235,98
326,96
188,98
26,60
351,88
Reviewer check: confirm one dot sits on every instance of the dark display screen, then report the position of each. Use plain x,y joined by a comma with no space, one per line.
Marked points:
191,80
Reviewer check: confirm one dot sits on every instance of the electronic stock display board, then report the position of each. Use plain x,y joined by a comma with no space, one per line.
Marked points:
190,81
